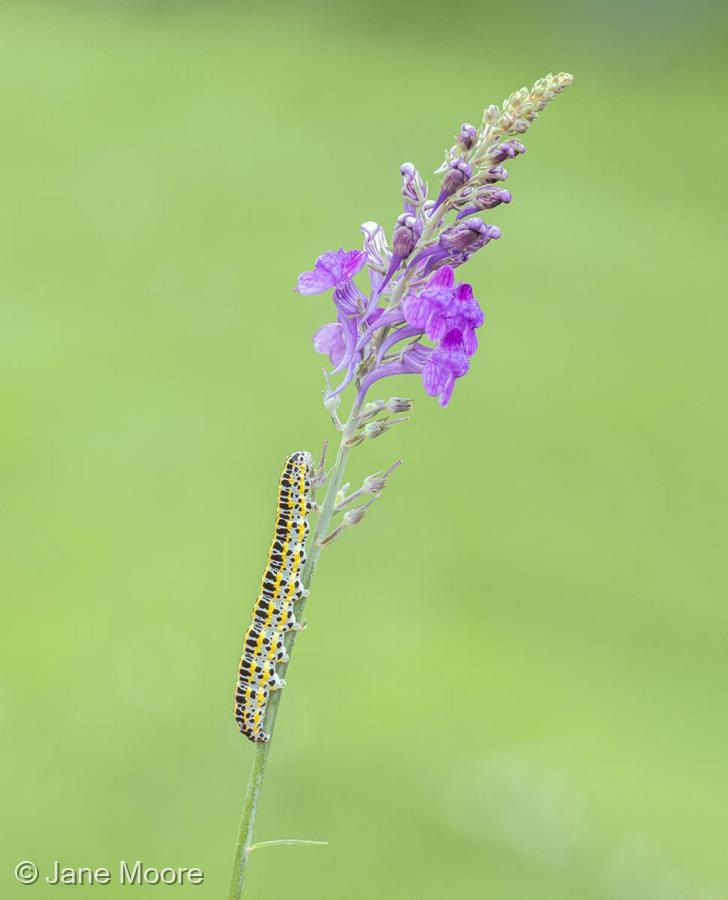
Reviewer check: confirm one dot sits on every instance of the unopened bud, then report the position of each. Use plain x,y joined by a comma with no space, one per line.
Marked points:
489,198
486,198
353,441
468,135
398,404
455,177
414,189
406,233
505,150
490,116
469,235
495,173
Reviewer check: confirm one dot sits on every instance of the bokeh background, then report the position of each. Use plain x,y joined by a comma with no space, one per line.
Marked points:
514,681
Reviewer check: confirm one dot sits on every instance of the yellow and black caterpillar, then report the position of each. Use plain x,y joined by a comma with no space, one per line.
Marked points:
273,612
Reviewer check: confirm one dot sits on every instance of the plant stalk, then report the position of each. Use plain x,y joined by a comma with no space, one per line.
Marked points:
260,759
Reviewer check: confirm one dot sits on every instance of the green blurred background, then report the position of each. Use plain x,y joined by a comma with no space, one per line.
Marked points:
514,681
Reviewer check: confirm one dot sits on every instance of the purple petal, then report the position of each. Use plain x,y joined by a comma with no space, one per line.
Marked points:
331,339
330,265
351,262
443,278
374,315
437,379
446,393
453,340
393,317
416,309
464,292
349,331
315,282
417,356
333,268
399,334
470,341
436,326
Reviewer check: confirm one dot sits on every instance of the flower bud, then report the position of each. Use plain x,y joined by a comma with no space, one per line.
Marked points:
464,235
353,441
375,243
495,173
468,135
414,189
455,177
505,150
406,234
398,404
486,198
468,236
490,117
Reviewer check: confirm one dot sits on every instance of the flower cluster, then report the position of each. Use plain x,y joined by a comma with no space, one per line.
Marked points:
414,318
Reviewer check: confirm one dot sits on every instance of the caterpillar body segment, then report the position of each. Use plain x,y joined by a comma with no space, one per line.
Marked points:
273,612
266,642
258,672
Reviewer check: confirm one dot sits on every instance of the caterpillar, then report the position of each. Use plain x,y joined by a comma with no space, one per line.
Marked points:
273,613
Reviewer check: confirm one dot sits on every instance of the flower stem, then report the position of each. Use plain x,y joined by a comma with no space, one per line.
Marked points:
244,843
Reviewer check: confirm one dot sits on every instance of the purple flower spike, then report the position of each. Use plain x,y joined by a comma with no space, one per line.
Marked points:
334,269
415,318
455,177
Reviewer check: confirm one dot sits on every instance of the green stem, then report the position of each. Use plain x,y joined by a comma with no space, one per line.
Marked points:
260,759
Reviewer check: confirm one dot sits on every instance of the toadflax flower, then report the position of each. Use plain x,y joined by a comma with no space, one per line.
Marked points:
336,270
